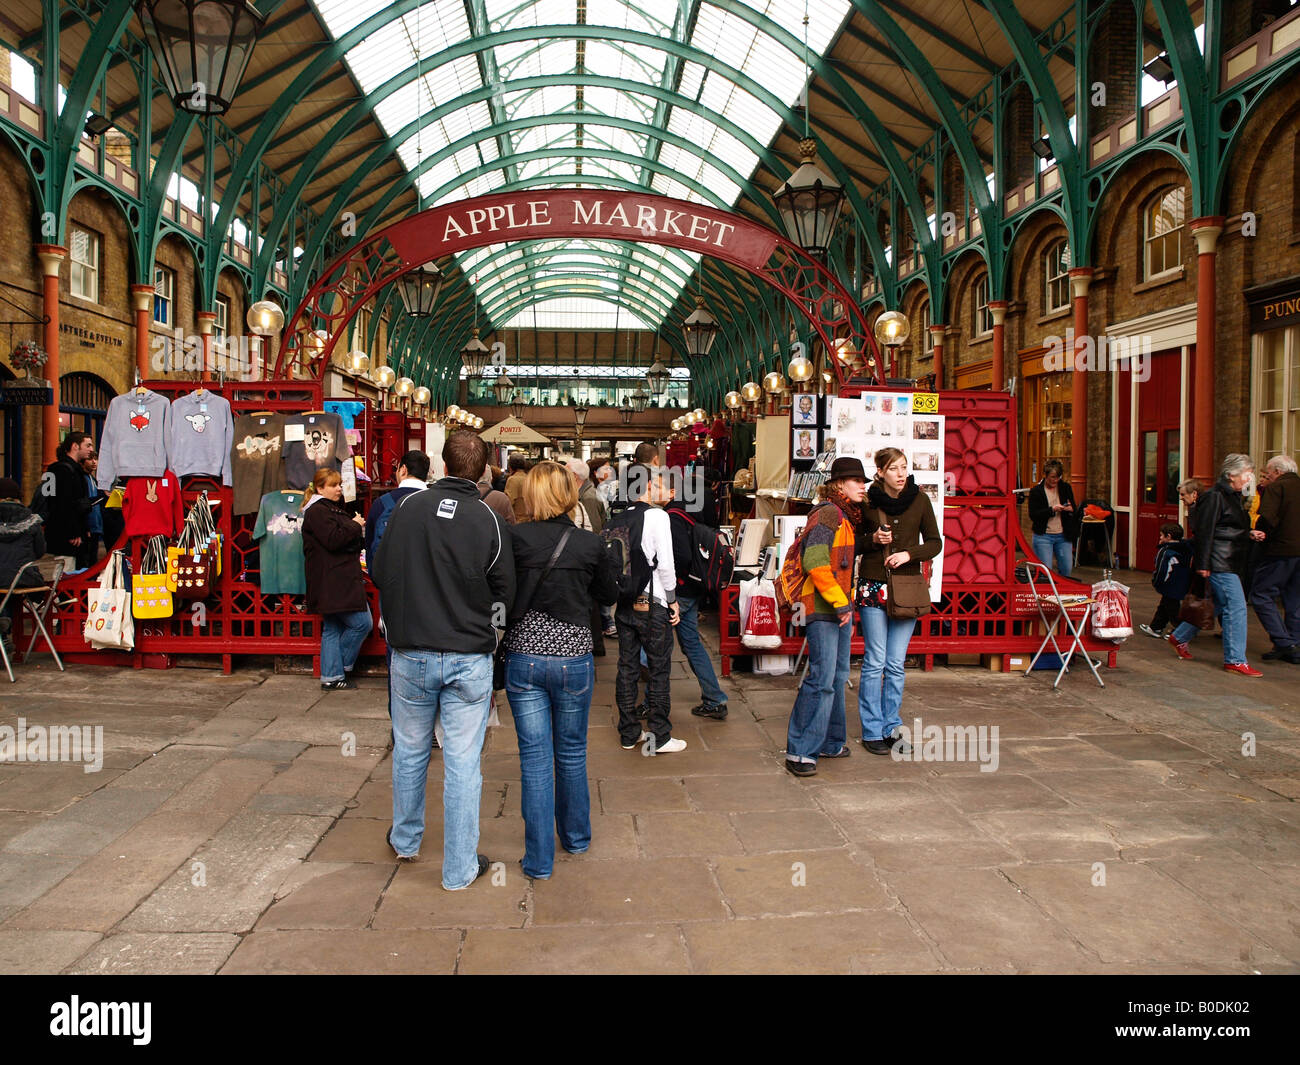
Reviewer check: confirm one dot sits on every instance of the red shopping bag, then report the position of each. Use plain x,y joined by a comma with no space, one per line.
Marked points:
1111,619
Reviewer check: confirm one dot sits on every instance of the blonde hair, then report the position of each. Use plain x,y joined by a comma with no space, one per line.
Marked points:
885,458
323,477
549,491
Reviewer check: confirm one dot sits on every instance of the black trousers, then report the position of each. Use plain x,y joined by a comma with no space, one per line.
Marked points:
652,632
1166,612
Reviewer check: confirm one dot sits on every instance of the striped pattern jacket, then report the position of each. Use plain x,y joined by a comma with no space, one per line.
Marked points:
828,549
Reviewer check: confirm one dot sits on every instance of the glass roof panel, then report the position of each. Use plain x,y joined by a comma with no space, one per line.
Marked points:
576,312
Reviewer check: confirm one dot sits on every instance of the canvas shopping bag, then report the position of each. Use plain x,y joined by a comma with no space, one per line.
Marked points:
108,619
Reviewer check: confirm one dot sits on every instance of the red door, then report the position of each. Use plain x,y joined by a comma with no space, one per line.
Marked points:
1159,440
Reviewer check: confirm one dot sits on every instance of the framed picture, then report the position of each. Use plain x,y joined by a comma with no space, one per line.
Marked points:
804,443
804,411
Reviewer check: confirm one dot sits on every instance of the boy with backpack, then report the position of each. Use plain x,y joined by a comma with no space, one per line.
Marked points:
640,537
1171,577
702,558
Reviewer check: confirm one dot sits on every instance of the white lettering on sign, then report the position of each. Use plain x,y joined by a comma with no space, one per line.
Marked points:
492,219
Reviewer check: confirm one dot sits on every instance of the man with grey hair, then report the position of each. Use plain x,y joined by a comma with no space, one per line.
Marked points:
1278,574
579,471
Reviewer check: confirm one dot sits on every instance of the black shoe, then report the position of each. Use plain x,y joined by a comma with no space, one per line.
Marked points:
877,746
344,685
843,752
897,742
1292,655
1278,653
801,769
483,866
716,711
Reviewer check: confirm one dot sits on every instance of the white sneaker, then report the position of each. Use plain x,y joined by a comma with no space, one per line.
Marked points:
1148,630
671,746
644,736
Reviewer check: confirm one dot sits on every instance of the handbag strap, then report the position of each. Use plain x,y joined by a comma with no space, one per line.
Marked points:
555,557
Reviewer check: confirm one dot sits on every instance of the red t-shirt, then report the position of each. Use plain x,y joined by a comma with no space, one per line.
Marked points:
152,506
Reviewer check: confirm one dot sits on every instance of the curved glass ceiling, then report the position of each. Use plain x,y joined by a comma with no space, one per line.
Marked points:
563,129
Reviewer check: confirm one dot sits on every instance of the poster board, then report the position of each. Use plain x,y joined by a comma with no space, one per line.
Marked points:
908,421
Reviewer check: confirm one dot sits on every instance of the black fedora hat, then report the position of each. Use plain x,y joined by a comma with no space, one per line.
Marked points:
847,467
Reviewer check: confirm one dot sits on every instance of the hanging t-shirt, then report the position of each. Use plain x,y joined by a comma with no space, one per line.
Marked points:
200,434
279,549
255,459
348,410
151,506
312,442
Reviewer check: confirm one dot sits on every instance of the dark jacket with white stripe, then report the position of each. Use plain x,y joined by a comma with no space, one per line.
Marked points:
445,571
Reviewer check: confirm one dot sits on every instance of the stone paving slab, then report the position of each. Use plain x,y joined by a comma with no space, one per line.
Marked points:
761,831
800,881
651,949
671,835
161,953
41,953
416,899
340,896
630,892
345,952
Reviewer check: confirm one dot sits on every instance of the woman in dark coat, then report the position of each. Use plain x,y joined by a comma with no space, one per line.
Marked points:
336,589
1052,513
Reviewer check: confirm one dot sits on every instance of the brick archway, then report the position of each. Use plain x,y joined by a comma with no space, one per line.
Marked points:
358,274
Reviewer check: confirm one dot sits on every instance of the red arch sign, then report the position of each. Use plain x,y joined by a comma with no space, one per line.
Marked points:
359,273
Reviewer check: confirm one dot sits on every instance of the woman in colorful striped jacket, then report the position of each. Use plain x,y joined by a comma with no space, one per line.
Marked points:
817,725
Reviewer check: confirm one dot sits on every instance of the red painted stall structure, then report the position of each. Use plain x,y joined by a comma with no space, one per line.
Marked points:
985,609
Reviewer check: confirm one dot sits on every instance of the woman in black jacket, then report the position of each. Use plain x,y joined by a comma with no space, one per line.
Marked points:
550,671
336,589
1052,515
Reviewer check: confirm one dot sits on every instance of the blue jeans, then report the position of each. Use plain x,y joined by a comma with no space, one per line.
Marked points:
817,724
1230,609
1278,578
884,641
549,697
688,636
341,637
426,686
1047,545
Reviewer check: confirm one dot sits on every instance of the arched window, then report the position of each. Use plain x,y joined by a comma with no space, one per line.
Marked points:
1163,233
981,317
1056,278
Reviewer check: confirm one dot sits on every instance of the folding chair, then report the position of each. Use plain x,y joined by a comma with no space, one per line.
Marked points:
36,601
1054,607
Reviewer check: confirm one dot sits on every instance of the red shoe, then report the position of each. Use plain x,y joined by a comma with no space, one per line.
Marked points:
1242,668
1184,652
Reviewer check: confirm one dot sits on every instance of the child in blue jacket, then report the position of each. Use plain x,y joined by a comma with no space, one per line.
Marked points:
1173,574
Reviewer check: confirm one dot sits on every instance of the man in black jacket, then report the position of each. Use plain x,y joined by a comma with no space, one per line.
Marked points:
62,498
446,576
1278,574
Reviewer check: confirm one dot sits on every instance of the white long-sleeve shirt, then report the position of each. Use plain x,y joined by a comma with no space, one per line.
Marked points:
657,545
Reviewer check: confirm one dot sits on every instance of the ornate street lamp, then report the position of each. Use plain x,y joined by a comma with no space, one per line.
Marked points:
657,377
517,406
419,290
809,203
580,416
475,356
700,330
639,399
503,387
202,48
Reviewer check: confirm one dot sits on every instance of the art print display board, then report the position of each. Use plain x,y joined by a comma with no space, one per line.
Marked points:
908,421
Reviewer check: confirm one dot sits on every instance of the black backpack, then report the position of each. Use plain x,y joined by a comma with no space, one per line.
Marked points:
622,540
711,560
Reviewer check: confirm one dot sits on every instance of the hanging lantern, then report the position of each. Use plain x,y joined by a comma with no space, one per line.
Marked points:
358,361
657,377
517,406
700,330
580,413
892,328
809,203
475,356
503,387
774,383
419,290
732,399
639,399
265,318
625,411
385,377
422,395
202,48
404,387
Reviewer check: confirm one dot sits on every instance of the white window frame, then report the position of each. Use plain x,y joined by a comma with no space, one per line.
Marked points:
1150,239
1290,371
221,323
84,272
1056,278
164,295
981,316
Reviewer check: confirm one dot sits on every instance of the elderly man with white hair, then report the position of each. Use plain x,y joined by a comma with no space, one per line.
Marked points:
580,471
1278,574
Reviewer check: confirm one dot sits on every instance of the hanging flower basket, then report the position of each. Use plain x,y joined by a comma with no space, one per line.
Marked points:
29,358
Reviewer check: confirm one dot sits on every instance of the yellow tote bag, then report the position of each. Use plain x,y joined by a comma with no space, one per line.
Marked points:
150,596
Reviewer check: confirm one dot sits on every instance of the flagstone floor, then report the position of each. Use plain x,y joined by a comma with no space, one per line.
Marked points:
237,826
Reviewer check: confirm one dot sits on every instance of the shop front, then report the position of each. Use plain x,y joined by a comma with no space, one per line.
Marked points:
1275,369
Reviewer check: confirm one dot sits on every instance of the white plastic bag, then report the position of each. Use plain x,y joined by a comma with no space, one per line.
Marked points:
109,624
761,625
1111,617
